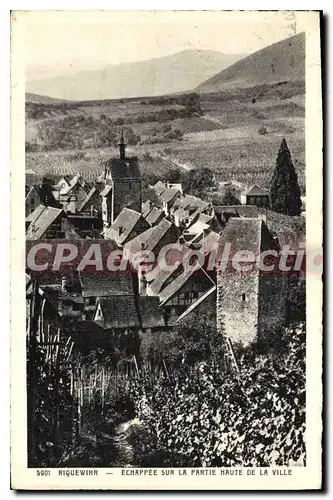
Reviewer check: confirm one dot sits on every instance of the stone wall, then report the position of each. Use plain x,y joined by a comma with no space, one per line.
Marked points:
272,307
237,305
126,193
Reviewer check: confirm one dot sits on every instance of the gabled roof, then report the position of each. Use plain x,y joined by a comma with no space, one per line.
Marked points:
40,220
124,224
152,195
76,182
210,242
169,194
149,238
124,169
158,276
243,235
176,285
237,210
92,191
154,216
159,187
104,285
131,312
146,208
192,202
55,178
181,214
255,190
119,312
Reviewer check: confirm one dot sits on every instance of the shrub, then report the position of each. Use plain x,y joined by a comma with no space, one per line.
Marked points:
262,130
209,418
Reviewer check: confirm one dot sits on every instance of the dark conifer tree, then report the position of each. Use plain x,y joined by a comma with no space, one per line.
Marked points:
285,191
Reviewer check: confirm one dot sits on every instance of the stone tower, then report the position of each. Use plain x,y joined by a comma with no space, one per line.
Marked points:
251,305
122,185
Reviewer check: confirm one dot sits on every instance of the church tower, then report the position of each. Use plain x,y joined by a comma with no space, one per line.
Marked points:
122,185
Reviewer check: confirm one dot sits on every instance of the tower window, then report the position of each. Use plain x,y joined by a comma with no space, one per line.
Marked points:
243,297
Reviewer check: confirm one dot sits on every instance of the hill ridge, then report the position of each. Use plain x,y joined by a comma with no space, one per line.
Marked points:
179,72
281,61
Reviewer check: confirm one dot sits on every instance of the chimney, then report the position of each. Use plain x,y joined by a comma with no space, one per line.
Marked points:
122,147
92,210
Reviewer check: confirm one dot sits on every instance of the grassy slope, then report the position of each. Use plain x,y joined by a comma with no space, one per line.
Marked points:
282,61
225,138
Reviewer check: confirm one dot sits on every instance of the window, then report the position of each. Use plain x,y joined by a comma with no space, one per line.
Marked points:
243,297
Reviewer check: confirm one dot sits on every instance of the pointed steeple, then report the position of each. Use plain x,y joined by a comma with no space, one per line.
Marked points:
122,146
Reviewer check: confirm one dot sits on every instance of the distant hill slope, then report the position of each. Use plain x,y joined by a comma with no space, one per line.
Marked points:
282,61
41,99
175,73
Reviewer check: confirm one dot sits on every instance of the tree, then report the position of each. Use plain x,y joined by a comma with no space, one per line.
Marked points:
285,191
195,181
229,197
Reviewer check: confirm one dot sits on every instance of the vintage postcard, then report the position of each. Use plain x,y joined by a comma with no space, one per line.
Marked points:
166,250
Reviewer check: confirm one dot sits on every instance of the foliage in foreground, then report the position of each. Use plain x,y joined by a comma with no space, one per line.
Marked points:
208,418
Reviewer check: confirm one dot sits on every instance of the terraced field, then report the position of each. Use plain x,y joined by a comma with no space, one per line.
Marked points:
226,137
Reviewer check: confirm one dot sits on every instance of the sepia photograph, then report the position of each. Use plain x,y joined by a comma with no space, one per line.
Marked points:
171,317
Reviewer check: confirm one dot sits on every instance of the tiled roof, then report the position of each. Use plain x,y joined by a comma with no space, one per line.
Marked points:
159,187
210,242
169,194
176,285
119,312
131,312
237,210
92,191
243,234
124,224
40,220
76,182
124,169
101,285
146,208
152,195
154,216
255,190
149,238
158,276
192,202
